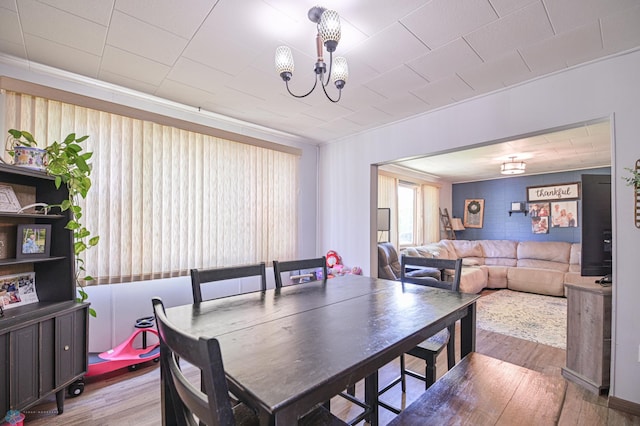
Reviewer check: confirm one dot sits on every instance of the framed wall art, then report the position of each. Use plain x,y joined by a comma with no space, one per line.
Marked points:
473,213
34,241
560,191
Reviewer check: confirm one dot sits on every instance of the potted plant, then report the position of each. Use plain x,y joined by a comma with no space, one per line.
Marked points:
23,148
634,179
68,164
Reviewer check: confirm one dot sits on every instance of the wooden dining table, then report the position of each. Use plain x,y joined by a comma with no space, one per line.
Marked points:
287,350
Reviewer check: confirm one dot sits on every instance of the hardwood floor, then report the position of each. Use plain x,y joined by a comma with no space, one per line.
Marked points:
133,398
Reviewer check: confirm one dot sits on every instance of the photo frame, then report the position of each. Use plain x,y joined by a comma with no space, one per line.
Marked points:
33,241
473,213
8,200
564,214
540,225
17,290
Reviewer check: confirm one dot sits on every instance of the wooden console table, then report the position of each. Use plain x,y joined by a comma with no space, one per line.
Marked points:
588,336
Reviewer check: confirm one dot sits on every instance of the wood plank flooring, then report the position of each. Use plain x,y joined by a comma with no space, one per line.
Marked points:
133,398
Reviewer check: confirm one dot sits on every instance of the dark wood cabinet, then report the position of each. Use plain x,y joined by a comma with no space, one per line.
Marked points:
588,336
43,345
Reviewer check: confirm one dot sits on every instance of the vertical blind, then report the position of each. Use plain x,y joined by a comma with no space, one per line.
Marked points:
165,200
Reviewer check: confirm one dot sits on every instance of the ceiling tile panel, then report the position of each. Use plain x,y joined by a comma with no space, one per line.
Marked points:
151,42
183,93
359,96
439,22
210,47
445,90
98,11
170,15
10,28
133,67
446,60
400,79
12,49
139,85
621,31
497,73
196,75
505,7
518,29
569,14
389,48
403,105
373,15
369,114
70,30
564,49
61,56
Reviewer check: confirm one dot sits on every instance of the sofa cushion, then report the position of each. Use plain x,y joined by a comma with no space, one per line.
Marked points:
506,249
472,279
552,251
499,252
465,248
544,255
532,280
496,276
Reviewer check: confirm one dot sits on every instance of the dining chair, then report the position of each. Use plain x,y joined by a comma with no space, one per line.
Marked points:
190,404
428,350
210,406
203,276
300,265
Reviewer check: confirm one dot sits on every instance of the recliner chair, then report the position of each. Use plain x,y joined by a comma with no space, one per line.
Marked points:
388,262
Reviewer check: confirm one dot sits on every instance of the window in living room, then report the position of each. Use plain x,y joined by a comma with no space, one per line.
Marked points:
413,206
407,194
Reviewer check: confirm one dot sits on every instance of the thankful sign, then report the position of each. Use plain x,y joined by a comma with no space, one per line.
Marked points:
564,191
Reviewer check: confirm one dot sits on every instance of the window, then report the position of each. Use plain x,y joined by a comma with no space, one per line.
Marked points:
406,214
165,199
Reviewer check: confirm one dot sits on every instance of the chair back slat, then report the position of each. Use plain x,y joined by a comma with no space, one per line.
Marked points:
211,407
297,265
203,276
443,265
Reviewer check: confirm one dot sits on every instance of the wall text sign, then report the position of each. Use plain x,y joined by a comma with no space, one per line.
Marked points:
562,191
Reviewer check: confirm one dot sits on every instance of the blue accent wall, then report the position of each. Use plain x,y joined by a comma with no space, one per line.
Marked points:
498,195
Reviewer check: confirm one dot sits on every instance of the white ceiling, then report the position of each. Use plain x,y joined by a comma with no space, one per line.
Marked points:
406,57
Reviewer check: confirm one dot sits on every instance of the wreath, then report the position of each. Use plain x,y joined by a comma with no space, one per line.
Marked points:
473,207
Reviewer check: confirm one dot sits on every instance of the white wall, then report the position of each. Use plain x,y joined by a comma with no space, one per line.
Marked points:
608,88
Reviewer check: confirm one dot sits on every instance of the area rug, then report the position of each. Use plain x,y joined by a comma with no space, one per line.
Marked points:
534,317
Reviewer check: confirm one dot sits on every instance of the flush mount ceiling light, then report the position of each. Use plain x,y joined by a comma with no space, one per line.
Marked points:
513,167
328,23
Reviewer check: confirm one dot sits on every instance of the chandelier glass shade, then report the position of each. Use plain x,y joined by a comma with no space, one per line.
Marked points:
513,167
328,26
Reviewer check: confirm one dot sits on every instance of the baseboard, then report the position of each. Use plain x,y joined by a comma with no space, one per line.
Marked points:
624,405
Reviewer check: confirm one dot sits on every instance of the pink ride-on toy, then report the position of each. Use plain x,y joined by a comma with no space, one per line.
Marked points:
123,355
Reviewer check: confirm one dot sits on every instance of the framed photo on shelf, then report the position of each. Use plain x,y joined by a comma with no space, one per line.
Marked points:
18,290
473,213
34,241
8,200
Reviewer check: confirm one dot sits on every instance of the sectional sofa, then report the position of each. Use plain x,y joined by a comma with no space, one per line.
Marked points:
532,266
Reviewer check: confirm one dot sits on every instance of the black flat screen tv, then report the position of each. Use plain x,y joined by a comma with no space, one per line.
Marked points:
596,226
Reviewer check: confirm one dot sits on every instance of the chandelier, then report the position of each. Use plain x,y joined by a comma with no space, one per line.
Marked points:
513,167
328,23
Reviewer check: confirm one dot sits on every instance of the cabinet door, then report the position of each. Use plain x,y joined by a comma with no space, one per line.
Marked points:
24,366
4,373
71,346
